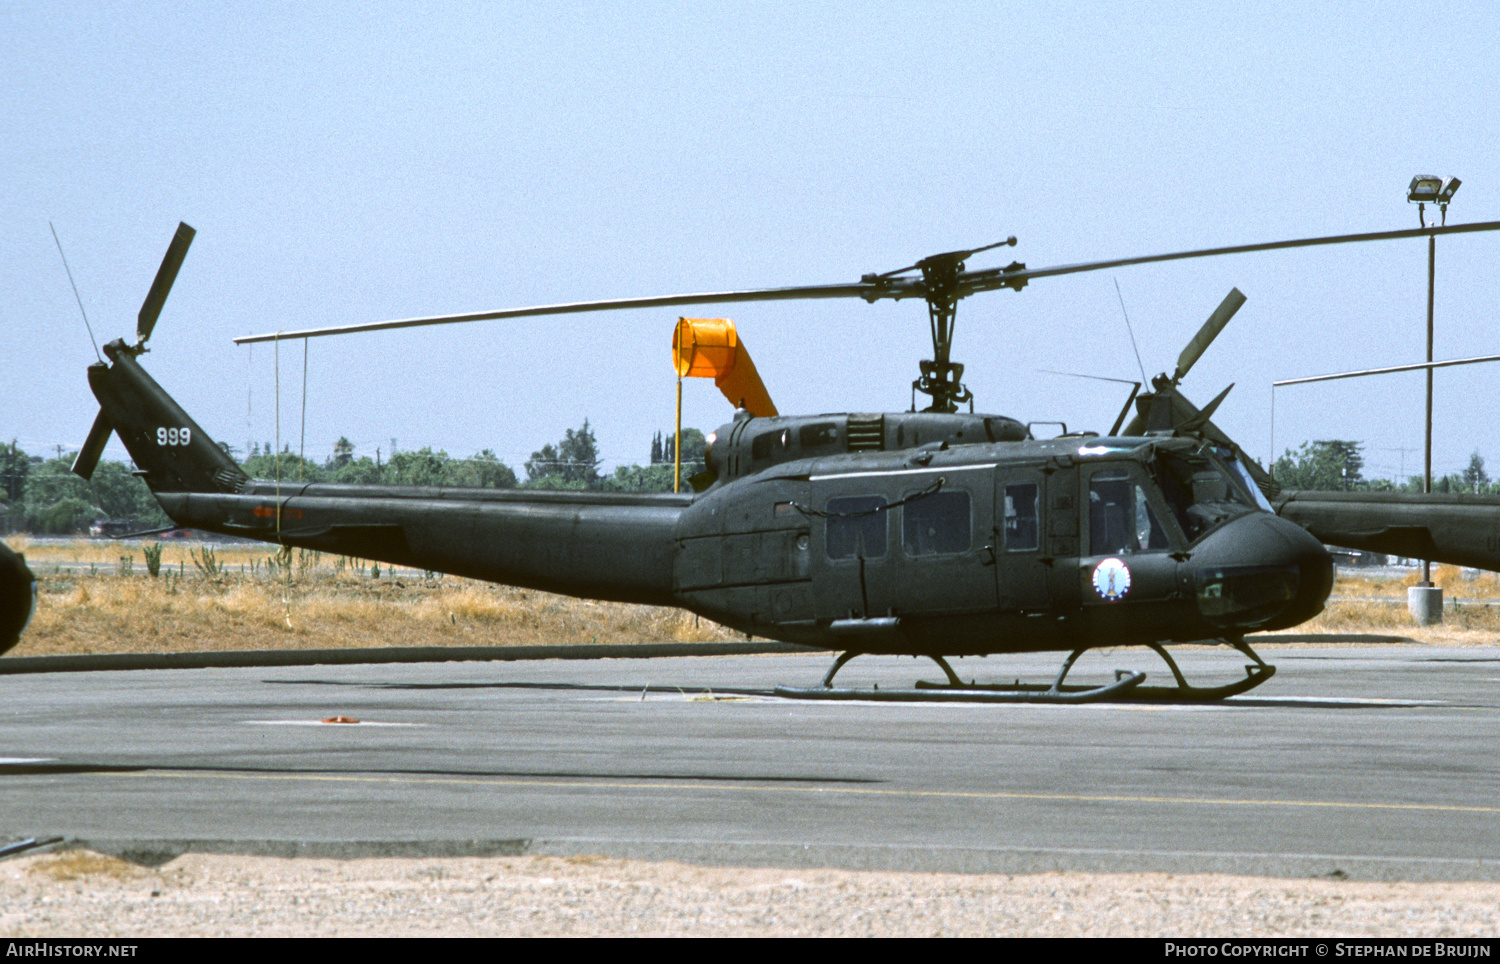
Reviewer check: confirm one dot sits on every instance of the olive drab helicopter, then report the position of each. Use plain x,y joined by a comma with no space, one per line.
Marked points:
933,533
17,596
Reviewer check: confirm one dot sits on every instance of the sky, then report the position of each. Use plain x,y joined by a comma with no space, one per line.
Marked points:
347,164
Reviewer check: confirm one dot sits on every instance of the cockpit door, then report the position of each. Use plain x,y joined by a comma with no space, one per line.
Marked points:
1127,553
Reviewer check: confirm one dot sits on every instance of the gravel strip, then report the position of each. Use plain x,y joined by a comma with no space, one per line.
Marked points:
82,894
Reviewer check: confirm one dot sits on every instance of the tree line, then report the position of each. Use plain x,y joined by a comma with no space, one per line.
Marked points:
1337,465
42,495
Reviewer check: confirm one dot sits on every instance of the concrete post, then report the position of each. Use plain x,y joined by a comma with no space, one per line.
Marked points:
1425,603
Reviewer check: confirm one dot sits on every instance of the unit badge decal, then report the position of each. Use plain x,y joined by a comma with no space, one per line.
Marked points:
1111,580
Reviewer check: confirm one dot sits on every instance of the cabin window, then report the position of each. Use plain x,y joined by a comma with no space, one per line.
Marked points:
1120,516
1021,528
936,524
856,527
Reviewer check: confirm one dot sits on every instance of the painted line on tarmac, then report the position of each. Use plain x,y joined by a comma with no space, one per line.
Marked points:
336,725
816,790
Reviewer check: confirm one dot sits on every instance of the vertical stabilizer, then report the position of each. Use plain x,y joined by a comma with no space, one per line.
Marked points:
169,448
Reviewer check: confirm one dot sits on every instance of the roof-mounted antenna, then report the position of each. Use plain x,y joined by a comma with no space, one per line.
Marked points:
1134,347
85,314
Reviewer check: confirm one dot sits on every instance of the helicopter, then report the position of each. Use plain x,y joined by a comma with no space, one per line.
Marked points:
17,596
933,533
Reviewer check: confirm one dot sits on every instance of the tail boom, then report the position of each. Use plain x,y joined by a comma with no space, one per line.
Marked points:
616,547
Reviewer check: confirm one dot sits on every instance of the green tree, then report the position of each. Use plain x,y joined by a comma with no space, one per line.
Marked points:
266,464
343,454
1326,465
360,471
482,471
638,478
49,483
122,494
63,517
1475,477
694,445
573,463
422,467
14,465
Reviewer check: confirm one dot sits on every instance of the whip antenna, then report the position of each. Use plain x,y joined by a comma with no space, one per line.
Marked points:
85,314
1131,330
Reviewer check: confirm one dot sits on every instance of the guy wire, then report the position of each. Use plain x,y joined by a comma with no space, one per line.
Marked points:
302,445
284,556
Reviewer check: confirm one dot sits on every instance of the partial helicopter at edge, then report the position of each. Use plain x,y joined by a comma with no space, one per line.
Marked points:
936,533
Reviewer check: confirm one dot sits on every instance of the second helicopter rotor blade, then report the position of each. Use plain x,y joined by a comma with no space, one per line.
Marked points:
992,278
165,276
1208,332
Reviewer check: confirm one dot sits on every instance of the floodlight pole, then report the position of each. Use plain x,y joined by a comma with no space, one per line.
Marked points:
1440,191
1424,600
1427,442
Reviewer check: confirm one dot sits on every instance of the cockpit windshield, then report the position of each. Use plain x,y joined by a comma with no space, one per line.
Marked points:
1201,491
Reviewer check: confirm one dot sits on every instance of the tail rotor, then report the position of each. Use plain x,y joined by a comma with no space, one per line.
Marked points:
93,447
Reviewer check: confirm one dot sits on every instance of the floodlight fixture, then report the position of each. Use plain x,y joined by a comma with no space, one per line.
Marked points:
1429,189
1424,189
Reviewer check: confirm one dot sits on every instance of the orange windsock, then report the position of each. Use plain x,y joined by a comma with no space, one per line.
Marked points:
710,348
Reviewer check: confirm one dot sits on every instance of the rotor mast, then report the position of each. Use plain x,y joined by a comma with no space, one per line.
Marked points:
943,284
942,378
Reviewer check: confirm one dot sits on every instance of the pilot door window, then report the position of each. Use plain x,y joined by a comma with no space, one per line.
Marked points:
1022,529
936,524
1120,517
856,527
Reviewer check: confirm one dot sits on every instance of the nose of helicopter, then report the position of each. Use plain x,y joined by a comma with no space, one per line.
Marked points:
1261,572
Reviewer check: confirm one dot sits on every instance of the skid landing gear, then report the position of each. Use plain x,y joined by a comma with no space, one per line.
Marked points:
955,690
1256,673
1125,688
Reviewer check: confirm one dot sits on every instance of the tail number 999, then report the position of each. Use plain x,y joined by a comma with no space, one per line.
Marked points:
174,436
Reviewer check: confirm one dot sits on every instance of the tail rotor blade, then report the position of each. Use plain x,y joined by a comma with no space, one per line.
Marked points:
165,276
93,447
1208,332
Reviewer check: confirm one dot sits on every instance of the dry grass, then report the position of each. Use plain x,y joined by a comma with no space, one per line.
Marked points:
1366,604
106,554
324,605
335,603
84,864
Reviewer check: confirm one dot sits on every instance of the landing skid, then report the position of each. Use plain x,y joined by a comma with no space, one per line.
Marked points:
1125,688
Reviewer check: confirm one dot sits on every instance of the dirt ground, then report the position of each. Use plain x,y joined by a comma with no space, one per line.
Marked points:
82,894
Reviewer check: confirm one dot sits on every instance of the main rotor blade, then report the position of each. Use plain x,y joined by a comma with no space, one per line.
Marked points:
878,287
992,278
860,290
1208,332
165,275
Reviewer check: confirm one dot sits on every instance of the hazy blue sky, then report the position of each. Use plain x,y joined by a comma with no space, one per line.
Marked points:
347,163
